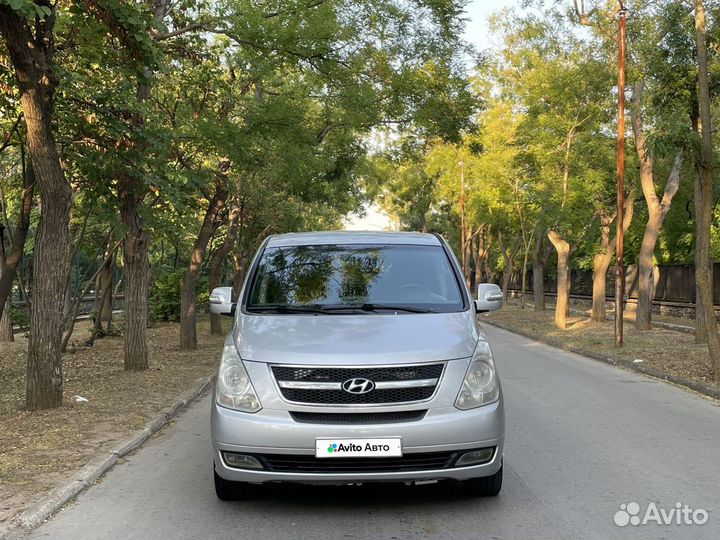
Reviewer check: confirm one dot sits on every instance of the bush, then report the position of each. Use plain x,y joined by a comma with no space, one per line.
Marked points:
20,316
164,302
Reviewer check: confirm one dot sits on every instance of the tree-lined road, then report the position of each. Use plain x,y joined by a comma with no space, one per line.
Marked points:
582,439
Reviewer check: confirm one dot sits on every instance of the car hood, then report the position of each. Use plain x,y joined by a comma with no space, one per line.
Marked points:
355,339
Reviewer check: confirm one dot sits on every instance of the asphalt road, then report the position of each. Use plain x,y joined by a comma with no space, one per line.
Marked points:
582,439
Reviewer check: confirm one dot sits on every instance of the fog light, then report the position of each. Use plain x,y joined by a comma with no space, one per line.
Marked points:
241,461
476,457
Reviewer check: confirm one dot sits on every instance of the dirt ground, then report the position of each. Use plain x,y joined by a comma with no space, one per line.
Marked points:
39,450
668,351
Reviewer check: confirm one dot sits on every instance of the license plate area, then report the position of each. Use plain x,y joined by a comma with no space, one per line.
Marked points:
361,448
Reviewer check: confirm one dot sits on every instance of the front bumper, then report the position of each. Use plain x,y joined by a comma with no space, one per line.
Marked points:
273,431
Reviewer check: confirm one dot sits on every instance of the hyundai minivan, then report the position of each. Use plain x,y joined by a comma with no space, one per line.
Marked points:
356,357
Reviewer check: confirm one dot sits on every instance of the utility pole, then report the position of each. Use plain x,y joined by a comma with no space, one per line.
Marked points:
619,233
461,163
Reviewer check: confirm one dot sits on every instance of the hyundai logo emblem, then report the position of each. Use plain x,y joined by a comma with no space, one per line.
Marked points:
358,386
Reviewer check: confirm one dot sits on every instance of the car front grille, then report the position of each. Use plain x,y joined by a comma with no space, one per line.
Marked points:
358,418
307,463
390,385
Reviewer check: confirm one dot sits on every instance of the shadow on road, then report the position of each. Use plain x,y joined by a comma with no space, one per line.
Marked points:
369,495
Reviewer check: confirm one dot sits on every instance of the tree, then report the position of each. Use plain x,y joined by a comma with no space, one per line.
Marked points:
540,256
29,34
704,197
657,208
408,188
220,255
12,253
604,256
560,83
188,296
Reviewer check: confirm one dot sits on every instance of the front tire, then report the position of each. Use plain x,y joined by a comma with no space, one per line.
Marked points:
227,490
486,486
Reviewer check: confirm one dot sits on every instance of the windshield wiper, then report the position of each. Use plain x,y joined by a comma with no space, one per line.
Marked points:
334,309
288,308
378,307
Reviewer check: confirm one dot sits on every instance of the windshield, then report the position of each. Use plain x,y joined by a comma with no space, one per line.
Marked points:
372,278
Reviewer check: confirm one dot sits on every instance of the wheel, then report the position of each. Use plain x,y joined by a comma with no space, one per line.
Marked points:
227,490
486,486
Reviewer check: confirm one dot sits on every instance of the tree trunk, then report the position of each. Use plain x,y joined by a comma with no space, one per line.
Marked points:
103,293
524,279
67,302
601,263
105,288
466,248
216,262
97,323
136,270
538,261
73,315
484,246
509,258
472,250
562,306
602,260
241,261
704,198
657,210
44,373
6,325
32,57
701,329
188,292
701,323
9,262
646,272
506,275
423,222
115,295
479,255
136,273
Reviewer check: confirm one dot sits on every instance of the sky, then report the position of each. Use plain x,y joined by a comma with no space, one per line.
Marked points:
476,33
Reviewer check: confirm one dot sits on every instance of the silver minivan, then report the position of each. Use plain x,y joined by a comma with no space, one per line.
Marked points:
356,357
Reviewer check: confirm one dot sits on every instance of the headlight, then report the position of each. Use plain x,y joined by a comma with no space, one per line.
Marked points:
480,386
233,388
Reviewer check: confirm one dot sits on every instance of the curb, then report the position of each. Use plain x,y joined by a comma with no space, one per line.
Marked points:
701,388
98,466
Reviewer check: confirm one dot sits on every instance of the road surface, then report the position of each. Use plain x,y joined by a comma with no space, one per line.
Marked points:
582,439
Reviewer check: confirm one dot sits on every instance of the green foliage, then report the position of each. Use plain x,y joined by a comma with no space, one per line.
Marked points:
541,153
318,107
28,8
164,302
20,316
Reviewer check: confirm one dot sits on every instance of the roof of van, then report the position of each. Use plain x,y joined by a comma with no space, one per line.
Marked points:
352,237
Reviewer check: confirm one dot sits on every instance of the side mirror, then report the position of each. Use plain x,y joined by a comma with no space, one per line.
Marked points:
221,301
489,298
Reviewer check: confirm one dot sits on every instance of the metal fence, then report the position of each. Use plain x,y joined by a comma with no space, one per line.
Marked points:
673,282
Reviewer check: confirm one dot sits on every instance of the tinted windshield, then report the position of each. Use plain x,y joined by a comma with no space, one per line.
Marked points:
411,276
